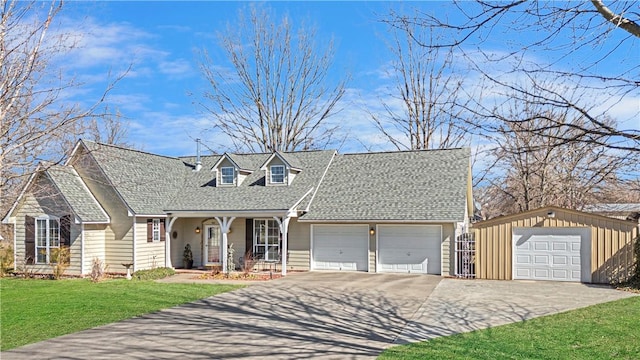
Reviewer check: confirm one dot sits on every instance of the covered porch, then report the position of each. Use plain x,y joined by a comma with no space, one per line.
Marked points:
228,240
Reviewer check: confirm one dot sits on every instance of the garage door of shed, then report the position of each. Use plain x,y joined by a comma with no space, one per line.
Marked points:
558,254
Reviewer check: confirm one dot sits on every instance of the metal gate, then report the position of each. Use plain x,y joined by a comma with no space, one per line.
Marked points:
466,256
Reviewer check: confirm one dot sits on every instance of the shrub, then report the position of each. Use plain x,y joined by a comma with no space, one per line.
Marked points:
153,274
248,262
98,269
6,258
60,261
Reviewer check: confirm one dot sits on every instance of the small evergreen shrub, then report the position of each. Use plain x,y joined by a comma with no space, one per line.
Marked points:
153,274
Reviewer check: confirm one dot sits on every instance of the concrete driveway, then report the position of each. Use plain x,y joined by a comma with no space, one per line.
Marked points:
320,315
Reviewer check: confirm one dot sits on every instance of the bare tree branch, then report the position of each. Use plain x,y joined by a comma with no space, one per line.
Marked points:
276,96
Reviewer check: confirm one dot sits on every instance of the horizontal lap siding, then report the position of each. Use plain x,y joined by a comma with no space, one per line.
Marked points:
49,202
94,245
299,245
118,235
448,234
612,255
148,254
118,251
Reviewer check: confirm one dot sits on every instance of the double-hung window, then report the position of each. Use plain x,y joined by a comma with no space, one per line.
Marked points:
227,175
155,230
277,174
266,240
47,238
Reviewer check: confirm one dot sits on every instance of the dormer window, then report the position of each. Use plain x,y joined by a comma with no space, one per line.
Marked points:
277,174
227,175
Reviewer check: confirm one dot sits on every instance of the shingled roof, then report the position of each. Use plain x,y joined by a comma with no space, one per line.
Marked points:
144,181
199,193
77,195
429,185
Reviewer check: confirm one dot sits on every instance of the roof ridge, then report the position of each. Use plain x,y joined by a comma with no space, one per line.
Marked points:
130,149
406,151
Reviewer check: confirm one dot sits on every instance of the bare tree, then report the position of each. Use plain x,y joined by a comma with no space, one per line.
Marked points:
428,102
558,30
36,116
530,170
278,94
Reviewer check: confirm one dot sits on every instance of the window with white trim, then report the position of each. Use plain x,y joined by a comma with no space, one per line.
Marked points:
227,175
47,238
155,230
277,174
266,240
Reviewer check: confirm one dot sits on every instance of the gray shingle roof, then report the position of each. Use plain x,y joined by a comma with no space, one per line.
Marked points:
426,185
145,181
82,202
199,193
405,186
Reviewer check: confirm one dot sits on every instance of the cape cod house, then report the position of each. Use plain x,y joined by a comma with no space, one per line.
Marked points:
311,210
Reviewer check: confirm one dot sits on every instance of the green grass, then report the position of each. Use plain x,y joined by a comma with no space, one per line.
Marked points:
36,310
604,331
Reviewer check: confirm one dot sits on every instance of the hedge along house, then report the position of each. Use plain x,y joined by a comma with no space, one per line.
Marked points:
312,210
553,243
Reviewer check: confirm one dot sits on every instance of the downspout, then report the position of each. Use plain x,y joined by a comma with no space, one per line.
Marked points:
134,244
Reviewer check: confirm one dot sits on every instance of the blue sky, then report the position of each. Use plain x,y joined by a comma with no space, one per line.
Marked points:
161,40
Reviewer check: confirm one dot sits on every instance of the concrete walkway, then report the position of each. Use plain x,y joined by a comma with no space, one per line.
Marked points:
319,315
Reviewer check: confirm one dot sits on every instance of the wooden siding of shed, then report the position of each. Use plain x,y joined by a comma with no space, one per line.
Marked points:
612,257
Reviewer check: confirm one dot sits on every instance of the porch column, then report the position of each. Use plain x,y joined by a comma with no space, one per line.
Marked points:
225,225
167,241
284,230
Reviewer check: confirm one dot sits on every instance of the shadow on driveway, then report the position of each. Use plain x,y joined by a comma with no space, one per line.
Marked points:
311,315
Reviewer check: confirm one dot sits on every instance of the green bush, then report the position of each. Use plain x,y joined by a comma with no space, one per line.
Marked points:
153,274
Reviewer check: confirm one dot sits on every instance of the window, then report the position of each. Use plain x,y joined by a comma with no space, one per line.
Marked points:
155,230
266,240
227,175
277,174
47,238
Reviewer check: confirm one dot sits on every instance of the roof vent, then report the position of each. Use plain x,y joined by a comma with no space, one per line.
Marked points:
198,161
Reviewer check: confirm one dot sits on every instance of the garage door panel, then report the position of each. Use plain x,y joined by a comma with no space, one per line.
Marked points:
409,248
340,247
551,254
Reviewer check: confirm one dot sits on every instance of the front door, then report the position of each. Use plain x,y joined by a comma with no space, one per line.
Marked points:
212,241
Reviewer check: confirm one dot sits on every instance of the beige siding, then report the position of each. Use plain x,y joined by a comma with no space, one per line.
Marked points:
611,242
299,246
47,203
94,245
118,236
149,255
448,236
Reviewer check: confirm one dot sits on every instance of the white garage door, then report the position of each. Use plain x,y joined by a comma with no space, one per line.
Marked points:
340,247
559,254
409,248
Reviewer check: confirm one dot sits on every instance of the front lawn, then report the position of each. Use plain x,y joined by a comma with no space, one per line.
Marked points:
604,331
36,310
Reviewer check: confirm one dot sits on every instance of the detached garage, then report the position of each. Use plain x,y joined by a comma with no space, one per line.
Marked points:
555,244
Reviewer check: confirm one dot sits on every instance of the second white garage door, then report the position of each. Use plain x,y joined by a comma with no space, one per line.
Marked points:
340,247
558,254
409,248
